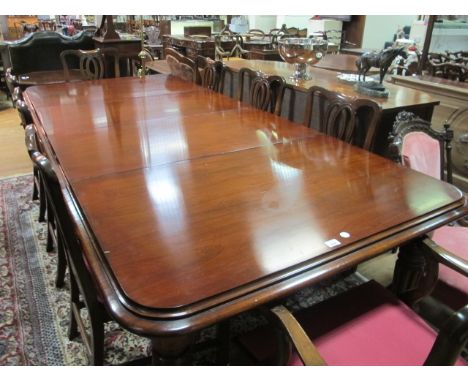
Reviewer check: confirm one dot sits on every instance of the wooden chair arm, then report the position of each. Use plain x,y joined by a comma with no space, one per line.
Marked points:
450,341
453,335
447,258
304,346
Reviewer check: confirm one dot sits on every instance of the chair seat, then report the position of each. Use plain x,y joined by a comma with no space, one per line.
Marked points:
454,239
365,326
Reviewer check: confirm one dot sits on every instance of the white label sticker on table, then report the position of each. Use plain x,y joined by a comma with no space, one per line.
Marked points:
332,243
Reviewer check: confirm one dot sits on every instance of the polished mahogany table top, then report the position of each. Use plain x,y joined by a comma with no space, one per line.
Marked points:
345,63
432,81
399,96
196,207
46,77
159,66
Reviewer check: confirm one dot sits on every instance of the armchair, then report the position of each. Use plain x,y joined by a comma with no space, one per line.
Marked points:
416,145
364,326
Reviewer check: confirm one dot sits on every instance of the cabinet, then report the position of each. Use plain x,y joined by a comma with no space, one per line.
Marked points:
193,47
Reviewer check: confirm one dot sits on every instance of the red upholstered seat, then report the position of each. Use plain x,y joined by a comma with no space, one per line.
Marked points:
452,287
366,325
454,239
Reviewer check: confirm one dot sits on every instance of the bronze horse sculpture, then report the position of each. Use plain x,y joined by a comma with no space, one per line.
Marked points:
382,60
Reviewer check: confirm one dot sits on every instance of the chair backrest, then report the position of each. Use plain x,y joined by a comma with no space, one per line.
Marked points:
153,34
234,41
16,95
211,73
302,32
30,140
220,53
91,63
415,144
459,57
449,70
354,121
265,92
283,32
228,82
438,58
238,49
275,34
455,71
293,31
256,34
24,113
66,227
181,66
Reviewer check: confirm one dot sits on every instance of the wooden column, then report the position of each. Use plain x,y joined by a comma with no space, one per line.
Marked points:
427,44
415,272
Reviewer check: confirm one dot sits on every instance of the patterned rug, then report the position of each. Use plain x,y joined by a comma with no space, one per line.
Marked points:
34,314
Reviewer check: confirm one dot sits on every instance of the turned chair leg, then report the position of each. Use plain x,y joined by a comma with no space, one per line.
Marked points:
50,228
50,231
42,202
50,241
97,340
61,268
74,307
35,195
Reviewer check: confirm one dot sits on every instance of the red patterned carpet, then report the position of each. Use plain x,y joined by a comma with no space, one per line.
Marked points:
34,313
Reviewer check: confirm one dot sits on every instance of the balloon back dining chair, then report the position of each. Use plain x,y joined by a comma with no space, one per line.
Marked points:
34,149
181,66
354,121
83,290
91,64
263,91
211,73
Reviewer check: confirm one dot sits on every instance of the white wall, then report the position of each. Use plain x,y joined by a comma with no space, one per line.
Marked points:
264,23
293,21
4,26
379,29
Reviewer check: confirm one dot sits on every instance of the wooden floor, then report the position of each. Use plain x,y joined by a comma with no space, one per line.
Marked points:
15,161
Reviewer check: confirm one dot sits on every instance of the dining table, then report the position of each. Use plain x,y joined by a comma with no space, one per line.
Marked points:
192,207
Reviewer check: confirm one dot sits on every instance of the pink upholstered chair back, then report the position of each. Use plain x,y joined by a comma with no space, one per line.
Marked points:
415,144
421,153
